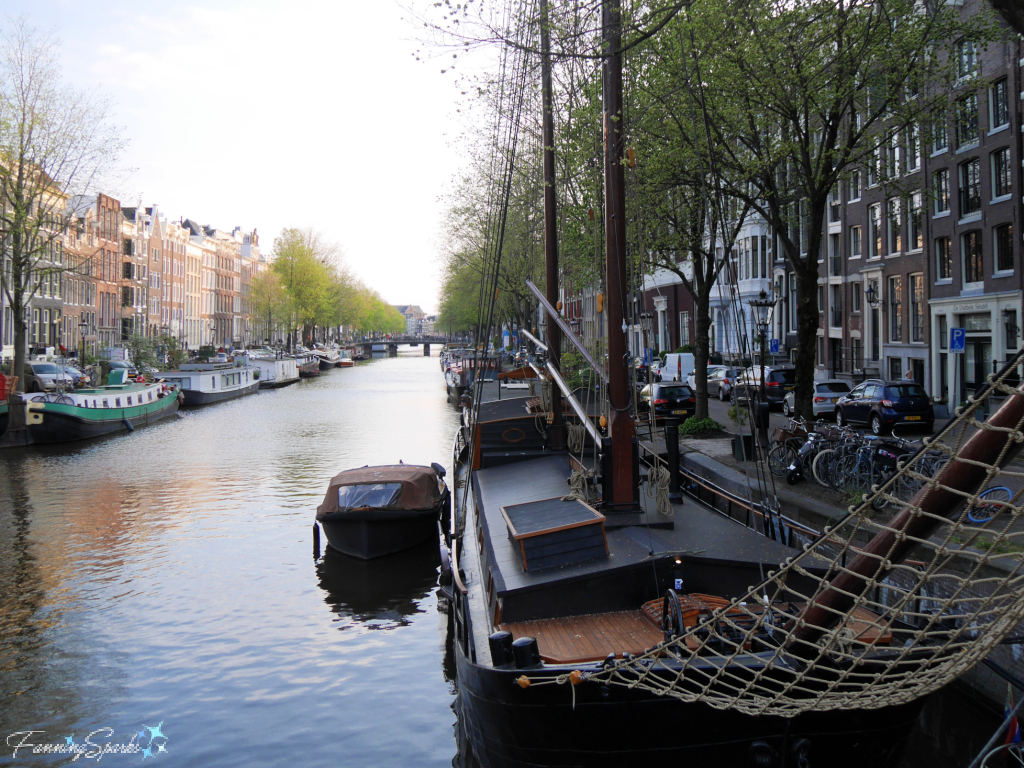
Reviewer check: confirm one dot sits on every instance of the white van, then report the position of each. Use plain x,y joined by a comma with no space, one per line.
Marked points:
678,365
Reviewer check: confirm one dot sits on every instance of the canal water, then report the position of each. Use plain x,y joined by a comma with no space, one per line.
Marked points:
158,589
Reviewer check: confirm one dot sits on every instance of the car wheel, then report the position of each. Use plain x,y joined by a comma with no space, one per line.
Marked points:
785,407
876,425
840,421
721,393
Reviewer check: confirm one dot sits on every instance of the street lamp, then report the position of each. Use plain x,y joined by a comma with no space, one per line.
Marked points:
83,328
761,308
873,298
646,323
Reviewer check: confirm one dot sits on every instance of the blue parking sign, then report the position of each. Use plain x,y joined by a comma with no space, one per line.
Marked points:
774,346
957,339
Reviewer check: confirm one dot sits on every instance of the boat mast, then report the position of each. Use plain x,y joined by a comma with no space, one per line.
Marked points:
621,464
557,429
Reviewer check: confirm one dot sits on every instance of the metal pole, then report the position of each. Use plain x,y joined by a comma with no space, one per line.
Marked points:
556,431
624,476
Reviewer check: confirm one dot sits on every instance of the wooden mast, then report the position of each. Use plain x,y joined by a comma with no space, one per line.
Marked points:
620,467
556,431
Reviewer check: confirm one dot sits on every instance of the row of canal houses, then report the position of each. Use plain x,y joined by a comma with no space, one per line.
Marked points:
120,271
896,273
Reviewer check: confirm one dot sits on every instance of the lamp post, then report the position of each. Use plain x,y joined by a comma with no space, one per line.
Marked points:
762,308
873,298
83,328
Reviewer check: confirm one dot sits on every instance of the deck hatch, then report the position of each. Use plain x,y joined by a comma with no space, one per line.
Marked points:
553,532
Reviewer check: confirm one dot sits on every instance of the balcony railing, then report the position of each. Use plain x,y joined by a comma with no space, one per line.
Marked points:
836,266
837,318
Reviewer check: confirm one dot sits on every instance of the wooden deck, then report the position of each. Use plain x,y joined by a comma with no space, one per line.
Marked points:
589,638
592,637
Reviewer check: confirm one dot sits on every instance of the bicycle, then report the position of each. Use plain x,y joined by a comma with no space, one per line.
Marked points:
995,500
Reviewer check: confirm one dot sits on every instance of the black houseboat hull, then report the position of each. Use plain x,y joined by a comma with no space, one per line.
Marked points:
62,424
195,397
507,726
379,533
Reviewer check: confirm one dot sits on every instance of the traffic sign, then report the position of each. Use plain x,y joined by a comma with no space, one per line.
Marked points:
957,339
774,346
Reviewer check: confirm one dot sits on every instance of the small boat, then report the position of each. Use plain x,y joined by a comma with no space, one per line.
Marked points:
206,383
309,364
328,358
63,417
374,511
346,359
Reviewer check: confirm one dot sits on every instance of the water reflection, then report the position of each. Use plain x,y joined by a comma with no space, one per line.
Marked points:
382,593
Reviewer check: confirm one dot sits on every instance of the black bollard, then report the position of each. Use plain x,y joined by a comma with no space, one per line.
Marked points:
672,446
316,541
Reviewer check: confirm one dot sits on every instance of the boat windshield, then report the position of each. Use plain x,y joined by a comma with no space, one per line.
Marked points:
378,495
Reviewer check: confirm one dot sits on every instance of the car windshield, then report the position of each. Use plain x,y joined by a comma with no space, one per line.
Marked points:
898,391
838,387
45,368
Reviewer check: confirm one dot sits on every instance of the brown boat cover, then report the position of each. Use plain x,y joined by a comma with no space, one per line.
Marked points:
419,486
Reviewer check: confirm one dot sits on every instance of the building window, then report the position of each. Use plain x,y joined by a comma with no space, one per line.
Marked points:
967,121
941,187
916,223
833,204
854,186
874,232
892,151
1011,330
837,306
895,226
940,134
821,299
943,332
855,297
895,368
855,243
895,309
1002,244
792,301
966,61
1001,172
943,259
821,352
970,187
998,105
913,149
970,244
857,353
874,165
917,307
684,328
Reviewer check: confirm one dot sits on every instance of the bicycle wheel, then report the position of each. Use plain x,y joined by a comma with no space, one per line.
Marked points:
849,478
985,510
822,466
779,459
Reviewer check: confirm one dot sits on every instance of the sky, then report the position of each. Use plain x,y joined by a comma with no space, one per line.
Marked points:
267,115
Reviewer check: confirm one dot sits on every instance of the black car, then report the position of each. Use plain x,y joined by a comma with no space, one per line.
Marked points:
671,398
883,405
777,383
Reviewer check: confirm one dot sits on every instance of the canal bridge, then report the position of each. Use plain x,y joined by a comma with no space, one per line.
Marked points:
391,345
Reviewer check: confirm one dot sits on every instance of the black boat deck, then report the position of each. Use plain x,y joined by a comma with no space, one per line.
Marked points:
717,555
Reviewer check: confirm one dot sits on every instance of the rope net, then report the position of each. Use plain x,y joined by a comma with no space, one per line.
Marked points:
878,610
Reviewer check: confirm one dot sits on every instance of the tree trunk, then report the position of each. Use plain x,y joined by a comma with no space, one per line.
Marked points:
807,323
702,352
19,344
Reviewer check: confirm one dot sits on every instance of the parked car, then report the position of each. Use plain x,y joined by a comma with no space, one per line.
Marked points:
721,382
777,382
45,377
884,404
668,399
692,378
826,395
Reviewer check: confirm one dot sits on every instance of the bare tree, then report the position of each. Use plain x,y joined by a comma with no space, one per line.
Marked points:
55,146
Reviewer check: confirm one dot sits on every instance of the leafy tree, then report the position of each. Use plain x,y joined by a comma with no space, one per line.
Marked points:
55,144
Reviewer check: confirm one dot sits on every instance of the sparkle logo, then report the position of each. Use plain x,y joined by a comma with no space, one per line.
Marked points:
149,741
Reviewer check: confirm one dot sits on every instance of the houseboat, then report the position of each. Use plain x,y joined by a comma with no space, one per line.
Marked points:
206,383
